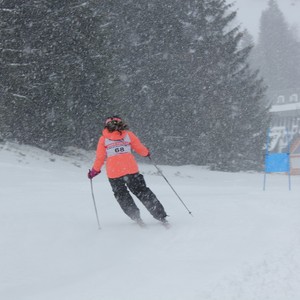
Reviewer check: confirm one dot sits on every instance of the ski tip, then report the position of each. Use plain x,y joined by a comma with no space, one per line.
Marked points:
141,223
166,224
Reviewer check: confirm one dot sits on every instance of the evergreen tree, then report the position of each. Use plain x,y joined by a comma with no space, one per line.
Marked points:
185,82
277,53
13,82
175,69
146,46
53,71
227,120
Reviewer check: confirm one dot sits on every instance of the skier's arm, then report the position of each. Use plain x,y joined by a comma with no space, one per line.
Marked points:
100,155
137,146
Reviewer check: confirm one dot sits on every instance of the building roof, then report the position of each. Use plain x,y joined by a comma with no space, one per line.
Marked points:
285,107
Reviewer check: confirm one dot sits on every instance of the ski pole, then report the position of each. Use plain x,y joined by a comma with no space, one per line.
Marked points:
99,227
161,173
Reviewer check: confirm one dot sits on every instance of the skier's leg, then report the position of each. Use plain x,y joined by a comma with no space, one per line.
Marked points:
137,186
124,198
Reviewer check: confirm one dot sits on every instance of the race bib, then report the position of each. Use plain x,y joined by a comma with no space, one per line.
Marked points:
118,147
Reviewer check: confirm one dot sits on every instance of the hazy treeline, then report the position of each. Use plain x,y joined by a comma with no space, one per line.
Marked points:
175,70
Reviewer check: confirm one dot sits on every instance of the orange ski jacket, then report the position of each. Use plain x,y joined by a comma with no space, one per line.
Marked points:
115,147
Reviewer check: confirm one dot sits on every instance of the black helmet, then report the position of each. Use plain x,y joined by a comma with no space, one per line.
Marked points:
115,123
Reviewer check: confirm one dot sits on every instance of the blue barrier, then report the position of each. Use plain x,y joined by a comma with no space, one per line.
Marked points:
277,162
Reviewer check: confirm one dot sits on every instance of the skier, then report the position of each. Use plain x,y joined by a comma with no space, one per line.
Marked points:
115,147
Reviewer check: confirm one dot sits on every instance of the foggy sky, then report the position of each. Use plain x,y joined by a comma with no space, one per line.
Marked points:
249,12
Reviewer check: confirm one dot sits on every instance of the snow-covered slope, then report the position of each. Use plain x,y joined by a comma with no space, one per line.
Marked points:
241,243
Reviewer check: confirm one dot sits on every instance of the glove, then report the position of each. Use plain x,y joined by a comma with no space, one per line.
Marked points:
148,155
92,173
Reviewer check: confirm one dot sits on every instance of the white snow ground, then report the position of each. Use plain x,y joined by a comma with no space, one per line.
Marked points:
241,243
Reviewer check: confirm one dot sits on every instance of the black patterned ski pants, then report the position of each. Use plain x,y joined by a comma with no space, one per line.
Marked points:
136,184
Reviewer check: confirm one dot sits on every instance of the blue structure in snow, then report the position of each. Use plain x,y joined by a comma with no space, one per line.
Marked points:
277,162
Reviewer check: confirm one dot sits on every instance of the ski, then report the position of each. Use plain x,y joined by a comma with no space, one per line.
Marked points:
141,223
165,224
